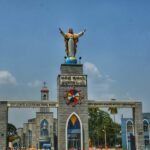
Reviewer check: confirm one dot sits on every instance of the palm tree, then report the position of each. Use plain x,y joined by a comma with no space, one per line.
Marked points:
98,119
113,110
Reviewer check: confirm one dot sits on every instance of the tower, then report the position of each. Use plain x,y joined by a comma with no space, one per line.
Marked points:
72,97
73,107
44,121
44,97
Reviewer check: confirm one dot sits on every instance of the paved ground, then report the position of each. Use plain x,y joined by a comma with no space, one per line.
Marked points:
104,148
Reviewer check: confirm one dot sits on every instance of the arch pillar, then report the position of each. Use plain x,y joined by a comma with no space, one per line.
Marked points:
138,126
69,72
3,125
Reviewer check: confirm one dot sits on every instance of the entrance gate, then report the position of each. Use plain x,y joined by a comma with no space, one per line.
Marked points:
136,106
72,106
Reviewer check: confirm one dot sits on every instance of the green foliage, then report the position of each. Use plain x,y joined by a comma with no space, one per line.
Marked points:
11,130
113,110
99,123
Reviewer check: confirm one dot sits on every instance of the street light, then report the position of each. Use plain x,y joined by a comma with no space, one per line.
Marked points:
104,130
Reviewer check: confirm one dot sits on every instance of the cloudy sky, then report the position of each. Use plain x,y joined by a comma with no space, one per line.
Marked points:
115,49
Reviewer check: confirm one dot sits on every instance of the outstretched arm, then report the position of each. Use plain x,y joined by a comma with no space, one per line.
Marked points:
81,33
61,32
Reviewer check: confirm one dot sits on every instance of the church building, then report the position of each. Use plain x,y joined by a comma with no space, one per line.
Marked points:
42,130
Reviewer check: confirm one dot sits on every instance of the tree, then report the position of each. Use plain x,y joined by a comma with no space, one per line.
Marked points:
113,110
11,130
98,119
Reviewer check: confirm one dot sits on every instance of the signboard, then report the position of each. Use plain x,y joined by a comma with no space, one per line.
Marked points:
73,80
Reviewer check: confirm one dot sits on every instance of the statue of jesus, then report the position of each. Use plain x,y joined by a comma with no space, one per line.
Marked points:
71,40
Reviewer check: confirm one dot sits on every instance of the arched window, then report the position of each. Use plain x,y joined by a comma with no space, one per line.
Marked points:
145,125
44,97
129,126
30,137
74,136
130,136
44,128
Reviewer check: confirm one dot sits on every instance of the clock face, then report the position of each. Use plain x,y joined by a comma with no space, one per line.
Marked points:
73,97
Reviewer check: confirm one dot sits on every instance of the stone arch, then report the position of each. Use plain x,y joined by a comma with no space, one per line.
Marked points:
81,130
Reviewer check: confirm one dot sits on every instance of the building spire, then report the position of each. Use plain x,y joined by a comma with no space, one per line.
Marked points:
44,96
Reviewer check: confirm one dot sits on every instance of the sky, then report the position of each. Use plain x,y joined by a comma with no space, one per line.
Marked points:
115,49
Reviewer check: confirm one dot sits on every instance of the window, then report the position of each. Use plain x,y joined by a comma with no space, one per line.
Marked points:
44,128
74,133
146,140
129,126
30,137
145,126
24,139
44,97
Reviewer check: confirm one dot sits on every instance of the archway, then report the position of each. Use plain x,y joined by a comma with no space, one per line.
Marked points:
74,135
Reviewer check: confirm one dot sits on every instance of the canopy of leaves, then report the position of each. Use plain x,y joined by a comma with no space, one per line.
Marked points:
113,110
100,123
11,132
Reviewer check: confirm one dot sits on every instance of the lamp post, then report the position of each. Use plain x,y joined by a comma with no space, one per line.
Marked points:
104,130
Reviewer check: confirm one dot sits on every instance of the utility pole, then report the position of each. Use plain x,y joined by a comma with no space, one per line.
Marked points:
104,130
